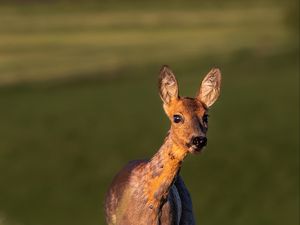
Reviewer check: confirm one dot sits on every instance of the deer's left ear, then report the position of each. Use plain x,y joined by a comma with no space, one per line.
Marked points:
168,87
210,87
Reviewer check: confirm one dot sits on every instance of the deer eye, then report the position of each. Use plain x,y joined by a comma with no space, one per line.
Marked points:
205,118
177,118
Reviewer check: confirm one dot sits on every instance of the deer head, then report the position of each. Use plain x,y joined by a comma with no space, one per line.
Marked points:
189,116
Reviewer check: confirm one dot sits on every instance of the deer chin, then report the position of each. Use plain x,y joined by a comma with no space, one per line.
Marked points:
196,150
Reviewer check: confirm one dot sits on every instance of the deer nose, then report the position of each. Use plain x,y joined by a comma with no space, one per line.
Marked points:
199,142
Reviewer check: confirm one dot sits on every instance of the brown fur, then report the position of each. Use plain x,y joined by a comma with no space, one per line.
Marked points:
151,192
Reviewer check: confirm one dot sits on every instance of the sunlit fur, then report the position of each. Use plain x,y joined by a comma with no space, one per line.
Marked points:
151,192
192,111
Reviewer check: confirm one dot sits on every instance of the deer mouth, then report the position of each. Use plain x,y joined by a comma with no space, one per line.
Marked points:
195,149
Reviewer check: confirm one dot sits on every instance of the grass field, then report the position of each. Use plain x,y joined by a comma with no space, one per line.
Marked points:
42,43
79,99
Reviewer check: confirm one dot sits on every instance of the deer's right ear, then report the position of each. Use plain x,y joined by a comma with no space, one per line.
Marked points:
168,87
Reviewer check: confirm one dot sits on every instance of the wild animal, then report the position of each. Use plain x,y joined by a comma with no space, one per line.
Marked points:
152,192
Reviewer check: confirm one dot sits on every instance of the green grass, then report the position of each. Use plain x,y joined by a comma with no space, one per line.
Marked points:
82,101
47,42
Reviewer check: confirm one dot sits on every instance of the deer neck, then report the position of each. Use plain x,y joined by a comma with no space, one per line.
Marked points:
163,169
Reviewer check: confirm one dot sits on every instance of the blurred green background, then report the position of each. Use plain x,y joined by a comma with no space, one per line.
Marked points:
79,99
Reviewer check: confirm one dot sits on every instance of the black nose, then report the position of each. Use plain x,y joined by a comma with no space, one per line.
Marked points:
199,142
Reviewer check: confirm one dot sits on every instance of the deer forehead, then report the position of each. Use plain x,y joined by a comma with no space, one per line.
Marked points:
186,106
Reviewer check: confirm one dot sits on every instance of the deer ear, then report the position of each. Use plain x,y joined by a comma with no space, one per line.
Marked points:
168,87
210,87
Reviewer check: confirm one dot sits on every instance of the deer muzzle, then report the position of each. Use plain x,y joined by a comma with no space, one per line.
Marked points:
199,142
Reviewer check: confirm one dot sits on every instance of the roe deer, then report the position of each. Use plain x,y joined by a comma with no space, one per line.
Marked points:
151,192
